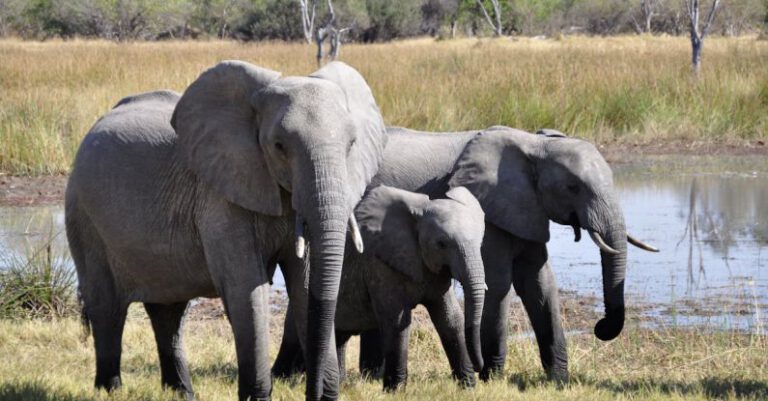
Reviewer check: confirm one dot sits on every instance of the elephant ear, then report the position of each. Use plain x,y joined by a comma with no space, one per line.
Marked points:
387,217
216,126
496,168
366,153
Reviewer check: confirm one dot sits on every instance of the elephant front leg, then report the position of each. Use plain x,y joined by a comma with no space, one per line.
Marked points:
248,311
535,284
449,323
371,357
395,335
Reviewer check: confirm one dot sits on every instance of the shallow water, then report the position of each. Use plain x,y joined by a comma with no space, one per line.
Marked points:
709,217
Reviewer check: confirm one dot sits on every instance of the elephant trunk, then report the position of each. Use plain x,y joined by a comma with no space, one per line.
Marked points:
327,217
605,223
473,282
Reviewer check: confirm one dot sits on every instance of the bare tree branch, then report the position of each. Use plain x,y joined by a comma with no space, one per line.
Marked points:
307,19
497,28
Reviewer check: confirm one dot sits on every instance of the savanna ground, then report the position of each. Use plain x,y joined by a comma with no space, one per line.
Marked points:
630,95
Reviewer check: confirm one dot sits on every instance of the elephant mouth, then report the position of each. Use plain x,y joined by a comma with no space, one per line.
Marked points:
573,221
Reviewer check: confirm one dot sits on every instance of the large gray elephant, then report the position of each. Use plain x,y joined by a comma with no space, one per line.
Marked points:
415,247
523,182
172,198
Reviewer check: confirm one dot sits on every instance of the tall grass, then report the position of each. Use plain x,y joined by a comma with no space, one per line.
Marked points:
625,89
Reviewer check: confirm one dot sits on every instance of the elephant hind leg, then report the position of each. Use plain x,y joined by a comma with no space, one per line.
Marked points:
167,323
104,309
106,313
535,284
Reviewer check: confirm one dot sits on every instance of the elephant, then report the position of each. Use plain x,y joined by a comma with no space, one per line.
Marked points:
416,245
522,181
173,197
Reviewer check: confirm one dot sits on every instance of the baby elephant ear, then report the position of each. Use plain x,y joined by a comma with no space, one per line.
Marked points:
387,217
496,169
215,123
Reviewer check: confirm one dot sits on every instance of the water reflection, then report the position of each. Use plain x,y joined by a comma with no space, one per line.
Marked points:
708,216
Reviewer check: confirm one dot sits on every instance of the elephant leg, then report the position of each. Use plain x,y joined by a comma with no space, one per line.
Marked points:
371,357
341,352
395,335
498,257
295,271
448,319
167,323
248,312
535,284
290,358
107,325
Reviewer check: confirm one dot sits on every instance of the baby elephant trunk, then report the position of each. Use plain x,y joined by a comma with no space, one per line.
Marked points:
473,282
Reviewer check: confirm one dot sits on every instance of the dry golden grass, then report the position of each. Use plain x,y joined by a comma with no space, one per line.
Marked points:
50,361
603,89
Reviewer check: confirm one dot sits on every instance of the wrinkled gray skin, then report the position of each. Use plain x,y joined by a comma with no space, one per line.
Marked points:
522,182
414,247
173,198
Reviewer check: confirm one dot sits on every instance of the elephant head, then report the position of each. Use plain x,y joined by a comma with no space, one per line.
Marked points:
409,232
525,180
270,144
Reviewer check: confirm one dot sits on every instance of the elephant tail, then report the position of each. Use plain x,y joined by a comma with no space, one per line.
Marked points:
85,322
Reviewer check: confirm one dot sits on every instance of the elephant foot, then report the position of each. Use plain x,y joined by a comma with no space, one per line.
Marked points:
560,377
110,384
491,372
466,381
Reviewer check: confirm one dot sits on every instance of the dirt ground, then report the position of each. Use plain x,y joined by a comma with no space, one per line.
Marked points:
49,190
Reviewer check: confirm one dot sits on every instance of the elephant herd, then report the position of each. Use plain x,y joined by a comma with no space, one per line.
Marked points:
204,194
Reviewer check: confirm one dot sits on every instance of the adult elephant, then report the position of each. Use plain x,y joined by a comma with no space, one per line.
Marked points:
522,182
172,198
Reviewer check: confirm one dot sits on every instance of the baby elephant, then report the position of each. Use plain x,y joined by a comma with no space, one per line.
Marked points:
415,246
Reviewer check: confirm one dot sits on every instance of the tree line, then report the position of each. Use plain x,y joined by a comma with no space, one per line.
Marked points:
363,20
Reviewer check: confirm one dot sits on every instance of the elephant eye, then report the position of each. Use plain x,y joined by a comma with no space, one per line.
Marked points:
279,146
351,143
574,189
441,244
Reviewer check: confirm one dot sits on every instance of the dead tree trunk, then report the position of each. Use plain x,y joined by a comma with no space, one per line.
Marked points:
308,18
329,31
698,34
497,27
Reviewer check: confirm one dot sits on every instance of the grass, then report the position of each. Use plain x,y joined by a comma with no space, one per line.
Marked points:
38,283
51,361
619,89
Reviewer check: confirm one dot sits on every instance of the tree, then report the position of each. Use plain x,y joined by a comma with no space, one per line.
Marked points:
698,34
497,27
648,9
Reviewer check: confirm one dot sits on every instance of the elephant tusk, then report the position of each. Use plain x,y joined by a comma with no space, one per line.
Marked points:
356,237
640,244
485,286
600,243
576,233
301,242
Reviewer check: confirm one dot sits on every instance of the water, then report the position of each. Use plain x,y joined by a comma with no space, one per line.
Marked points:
709,217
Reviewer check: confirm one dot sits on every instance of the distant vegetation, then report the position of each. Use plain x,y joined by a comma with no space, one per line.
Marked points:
623,89
369,20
